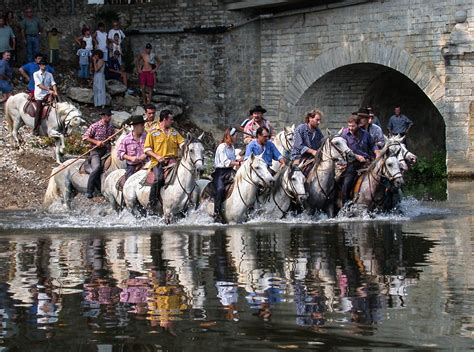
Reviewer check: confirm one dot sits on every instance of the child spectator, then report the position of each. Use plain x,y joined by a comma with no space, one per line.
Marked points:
87,37
100,38
84,55
53,43
114,69
116,47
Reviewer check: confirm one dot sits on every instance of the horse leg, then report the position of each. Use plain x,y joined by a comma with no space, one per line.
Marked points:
58,145
14,133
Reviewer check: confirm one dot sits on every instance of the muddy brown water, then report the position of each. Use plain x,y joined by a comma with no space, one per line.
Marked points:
88,281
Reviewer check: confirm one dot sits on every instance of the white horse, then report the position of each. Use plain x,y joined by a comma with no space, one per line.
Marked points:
396,147
177,194
251,176
284,142
62,119
65,183
289,188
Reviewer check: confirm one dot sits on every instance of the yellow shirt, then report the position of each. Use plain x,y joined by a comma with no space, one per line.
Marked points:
53,41
163,144
150,126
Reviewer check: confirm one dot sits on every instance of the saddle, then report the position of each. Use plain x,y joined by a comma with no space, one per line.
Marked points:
150,178
209,191
30,106
306,165
121,181
106,162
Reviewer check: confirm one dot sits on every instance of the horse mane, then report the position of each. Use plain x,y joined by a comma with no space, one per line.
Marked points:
319,157
239,175
383,155
279,177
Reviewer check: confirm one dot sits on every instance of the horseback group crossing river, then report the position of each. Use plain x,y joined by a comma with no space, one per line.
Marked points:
150,168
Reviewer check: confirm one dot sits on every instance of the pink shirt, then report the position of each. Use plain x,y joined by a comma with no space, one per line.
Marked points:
131,146
252,126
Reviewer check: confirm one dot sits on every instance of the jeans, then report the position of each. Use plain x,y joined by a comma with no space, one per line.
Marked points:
218,179
32,46
350,176
84,71
96,168
39,110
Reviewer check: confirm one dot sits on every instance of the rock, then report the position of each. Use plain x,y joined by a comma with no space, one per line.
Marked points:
115,87
81,95
139,110
84,95
175,110
160,98
127,100
166,89
118,117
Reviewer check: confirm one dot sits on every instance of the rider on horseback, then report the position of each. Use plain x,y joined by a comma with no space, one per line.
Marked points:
361,143
96,134
262,145
162,146
44,87
224,163
257,120
132,146
307,138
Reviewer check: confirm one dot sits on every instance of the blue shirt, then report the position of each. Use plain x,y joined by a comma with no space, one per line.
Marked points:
269,151
6,69
31,68
399,124
361,143
304,139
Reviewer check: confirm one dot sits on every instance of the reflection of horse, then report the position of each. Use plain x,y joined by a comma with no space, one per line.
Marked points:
289,187
284,142
62,118
251,176
177,194
321,181
74,178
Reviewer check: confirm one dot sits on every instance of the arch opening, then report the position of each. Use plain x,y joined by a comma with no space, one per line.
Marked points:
345,89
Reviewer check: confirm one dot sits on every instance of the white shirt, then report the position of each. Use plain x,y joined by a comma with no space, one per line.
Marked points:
225,154
112,32
89,43
45,79
101,38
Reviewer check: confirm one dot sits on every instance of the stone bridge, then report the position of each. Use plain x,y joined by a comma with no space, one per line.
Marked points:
294,55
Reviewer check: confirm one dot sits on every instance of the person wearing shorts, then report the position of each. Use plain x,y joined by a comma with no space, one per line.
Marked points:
147,64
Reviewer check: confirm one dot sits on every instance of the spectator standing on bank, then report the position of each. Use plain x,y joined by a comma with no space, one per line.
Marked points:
100,38
86,37
53,44
114,69
7,37
13,23
84,55
99,80
399,123
6,74
30,68
115,30
31,29
147,64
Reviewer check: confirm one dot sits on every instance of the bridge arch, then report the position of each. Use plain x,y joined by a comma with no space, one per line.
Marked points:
344,78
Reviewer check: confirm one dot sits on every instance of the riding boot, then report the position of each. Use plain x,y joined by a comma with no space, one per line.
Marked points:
39,108
158,183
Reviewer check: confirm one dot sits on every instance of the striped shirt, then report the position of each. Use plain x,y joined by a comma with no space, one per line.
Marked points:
99,131
131,147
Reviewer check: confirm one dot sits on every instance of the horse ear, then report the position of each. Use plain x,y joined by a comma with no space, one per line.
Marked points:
188,137
402,139
286,129
328,131
252,156
200,137
386,139
293,127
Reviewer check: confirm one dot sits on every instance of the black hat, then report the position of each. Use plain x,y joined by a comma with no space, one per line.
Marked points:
135,120
363,112
107,112
257,108
148,46
43,62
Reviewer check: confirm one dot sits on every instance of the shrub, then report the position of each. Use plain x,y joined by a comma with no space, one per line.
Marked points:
429,167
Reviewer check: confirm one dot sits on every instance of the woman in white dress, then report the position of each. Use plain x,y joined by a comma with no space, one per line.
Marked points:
98,66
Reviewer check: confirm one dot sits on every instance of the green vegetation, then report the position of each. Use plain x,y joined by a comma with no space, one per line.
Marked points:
74,144
433,167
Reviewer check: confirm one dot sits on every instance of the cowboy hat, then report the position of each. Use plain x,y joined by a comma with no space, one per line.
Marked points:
257,108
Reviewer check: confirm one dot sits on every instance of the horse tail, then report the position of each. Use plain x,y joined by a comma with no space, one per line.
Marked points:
52,192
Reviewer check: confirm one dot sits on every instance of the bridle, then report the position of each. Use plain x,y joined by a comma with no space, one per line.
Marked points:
289,189
64,125
286,143
249,180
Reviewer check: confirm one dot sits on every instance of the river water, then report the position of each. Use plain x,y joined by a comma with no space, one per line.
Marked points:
90,281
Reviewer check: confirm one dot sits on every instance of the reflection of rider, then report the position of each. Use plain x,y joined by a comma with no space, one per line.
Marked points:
96,134
307,137
360,142
224,162
131,147
162,146
44,85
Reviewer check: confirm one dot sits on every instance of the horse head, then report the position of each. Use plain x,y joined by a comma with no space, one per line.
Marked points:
70,117
392,171
257,171
193,152
294,184
339,148
396,147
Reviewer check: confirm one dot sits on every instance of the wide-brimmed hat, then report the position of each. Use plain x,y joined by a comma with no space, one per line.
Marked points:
135,120
257,108
107,112
362,112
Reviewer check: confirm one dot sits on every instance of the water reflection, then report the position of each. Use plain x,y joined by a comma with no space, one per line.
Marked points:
338,279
